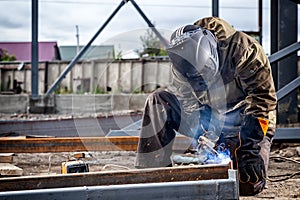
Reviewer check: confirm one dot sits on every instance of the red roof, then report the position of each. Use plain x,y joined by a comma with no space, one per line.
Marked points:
22,50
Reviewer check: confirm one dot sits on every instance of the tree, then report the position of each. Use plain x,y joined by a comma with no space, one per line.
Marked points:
151,45
4,56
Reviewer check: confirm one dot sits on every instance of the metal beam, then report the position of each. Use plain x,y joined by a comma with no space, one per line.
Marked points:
161,39
67,144
287,89
284,33
131,176
83,50
287,135
215,8
283,53
34,50
71,144
205,189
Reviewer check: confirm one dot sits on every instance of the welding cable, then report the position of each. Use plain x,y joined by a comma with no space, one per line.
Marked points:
284,158
287,176
116,166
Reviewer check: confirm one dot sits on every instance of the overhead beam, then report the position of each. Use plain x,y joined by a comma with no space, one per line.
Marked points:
132,176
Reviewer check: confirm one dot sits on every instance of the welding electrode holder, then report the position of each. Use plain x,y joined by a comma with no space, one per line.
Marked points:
207,142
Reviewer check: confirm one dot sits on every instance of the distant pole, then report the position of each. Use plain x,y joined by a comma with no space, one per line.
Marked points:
77,37
34,50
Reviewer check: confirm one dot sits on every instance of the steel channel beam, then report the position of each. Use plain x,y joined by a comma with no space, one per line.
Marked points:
67,144
125,142
71,144
206,189
120,177
287,135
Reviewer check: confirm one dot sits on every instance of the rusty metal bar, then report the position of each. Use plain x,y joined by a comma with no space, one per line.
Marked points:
71,144
67,144
132,176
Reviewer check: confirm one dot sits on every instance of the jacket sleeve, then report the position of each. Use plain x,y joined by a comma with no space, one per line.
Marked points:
254,72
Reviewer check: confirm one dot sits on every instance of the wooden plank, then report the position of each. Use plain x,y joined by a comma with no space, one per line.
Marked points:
152,175
7,169
71,144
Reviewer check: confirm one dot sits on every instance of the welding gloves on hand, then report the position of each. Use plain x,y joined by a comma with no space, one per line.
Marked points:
249,161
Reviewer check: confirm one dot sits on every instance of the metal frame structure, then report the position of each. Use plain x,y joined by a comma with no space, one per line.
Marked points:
278,6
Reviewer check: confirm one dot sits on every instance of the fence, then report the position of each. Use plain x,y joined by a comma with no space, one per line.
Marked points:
94,76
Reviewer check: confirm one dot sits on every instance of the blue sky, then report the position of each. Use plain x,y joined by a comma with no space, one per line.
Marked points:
58,19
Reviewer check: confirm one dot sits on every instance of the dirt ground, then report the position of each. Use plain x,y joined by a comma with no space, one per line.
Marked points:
285,160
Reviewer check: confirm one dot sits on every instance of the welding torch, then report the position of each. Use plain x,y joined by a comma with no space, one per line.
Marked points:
204,141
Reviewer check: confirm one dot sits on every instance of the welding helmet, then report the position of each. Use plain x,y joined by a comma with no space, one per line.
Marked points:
193,53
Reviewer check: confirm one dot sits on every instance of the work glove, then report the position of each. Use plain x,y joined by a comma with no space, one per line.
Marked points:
206,130
249,162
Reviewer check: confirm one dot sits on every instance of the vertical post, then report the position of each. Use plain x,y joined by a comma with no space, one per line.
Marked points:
77,39
274,41
215,8
260,13
34,50
286,69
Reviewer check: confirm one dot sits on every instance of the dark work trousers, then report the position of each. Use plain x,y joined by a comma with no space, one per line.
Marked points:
162,115
161,118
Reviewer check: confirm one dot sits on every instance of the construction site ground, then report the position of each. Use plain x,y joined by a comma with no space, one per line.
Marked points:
283,174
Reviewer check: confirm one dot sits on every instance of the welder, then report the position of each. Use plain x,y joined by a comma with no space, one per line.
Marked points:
222,83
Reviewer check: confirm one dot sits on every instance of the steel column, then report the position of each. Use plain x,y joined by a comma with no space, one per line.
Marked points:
283,33
215,8
34,50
